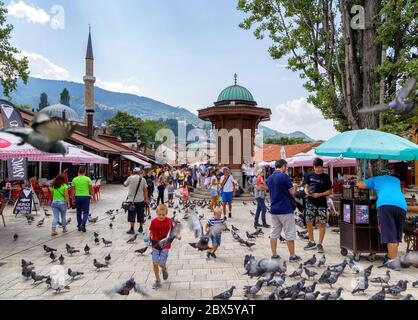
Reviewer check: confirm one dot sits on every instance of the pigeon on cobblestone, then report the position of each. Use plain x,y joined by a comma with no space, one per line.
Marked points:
310,289
339,268
353,266
25,263
225,295
107,259
123,289
27,271
61,259
332,279
310,295
99,265
74,274
107,243
234,228
297,272
397,289
383,279
132,239
407,297
37,278
279,281
362,285
87,249
141,251
96,241
48,249
381,295
15,237
311,261
322,261
52,256
253,290
310,273
415,284
40,223
333,295
96,235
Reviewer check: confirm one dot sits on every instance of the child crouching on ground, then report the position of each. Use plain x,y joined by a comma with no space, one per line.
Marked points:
216,240
159,229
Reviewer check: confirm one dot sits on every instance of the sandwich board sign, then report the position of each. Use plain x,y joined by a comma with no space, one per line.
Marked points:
23,204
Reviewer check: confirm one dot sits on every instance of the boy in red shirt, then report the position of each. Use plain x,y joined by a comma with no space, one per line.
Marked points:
159,229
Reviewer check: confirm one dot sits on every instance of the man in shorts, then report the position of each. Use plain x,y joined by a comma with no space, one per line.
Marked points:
391,209
228,186
281,190
318,187
138,195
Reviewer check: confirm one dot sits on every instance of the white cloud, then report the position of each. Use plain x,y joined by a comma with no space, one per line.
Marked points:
299,115
30,13
41,67
123,86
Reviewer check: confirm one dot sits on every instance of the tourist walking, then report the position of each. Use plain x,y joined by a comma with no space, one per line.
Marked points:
138,196
161,189
60,203
282,219
227,188
391,209
318,186
260,189
83,191
214,189
181,177
194,176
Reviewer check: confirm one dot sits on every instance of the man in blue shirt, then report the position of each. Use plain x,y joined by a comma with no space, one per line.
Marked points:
391,209
281,190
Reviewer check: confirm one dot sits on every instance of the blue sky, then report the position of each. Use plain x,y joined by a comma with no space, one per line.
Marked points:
181,52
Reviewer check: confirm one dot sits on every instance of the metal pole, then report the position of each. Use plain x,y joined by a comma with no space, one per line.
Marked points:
40,170
364,169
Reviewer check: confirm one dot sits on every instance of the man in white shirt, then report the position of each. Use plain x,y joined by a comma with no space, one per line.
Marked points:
228,186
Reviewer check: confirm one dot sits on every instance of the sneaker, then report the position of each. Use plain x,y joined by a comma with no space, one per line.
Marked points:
79,228
294,258
213,255
165,274
140,230
64,230
208,255
266,226
131,231
230,215
156,285
276,256
54,233
83,228
320,248
257,225
225,218
310,246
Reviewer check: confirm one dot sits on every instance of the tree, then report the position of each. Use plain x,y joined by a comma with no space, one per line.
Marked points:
129,127
43,103
24,107
342,66
346,66
65,97
12,67
285,141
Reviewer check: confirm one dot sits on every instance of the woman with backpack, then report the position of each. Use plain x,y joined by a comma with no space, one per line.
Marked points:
60,203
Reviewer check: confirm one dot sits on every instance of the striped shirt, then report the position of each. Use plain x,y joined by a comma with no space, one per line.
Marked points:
213,221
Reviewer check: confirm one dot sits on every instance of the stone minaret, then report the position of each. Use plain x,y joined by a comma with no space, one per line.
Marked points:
89,81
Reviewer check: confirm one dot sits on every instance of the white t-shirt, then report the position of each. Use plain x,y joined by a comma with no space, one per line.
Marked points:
229,184
211,182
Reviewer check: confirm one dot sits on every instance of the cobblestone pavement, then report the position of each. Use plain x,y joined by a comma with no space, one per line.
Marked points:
191,275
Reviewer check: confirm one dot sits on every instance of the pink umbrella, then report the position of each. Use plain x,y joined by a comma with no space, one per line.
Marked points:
10,149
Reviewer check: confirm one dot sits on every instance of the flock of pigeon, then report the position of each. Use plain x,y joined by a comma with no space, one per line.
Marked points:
270,272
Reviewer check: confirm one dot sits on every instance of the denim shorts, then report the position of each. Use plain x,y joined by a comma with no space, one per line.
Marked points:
216,241
213,192
159,256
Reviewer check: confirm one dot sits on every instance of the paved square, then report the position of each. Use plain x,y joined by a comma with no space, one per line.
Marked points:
191,275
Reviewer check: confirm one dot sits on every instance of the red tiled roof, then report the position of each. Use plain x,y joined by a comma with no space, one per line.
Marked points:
272,152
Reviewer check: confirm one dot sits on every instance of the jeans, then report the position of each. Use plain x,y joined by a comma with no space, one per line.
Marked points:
261,207
83,206
160,197
59,208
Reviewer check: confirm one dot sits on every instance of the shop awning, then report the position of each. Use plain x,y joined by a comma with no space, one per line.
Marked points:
136,160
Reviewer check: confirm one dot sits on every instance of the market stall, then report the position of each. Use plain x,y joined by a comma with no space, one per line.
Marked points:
358,215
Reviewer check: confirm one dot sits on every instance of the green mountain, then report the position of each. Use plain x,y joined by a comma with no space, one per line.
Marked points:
108,103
